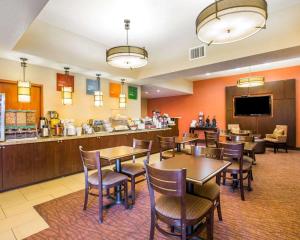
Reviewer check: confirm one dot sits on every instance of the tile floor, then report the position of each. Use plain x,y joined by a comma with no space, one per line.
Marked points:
18,218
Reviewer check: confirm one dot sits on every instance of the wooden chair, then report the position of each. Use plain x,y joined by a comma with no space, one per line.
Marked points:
234,152
102,179
211,139
133,169
211,189
174,206
166,147
191,135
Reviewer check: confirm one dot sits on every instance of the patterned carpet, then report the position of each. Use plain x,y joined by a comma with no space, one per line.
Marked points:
271,210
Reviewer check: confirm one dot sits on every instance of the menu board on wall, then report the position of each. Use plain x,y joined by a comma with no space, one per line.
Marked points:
63,80
114,89
132,92
92,86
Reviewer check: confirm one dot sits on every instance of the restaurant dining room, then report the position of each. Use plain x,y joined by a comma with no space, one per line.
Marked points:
139,119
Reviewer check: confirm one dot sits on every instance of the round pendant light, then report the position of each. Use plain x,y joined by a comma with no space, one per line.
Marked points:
98,95
24,87
122,97
227,21
127,56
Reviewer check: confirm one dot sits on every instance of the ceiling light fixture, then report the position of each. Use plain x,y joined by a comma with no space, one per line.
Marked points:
98,95
122,97
127,56
24,87
252,81
66,92
227,21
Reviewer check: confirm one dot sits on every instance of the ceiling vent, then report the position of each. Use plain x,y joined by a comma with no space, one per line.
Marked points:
197,52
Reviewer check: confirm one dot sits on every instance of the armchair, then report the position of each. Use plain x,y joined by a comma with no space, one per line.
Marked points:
278,138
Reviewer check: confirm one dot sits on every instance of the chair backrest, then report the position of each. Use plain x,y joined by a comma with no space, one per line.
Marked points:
211,138
91,160
233,126
233,152
168,183
142,144
284,128
215,153
239,138
166,143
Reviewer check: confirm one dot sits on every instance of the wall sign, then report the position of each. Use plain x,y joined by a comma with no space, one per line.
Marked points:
92,86
114,89
132,92
63,80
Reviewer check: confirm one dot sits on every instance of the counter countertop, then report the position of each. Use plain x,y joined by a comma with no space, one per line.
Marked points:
57,138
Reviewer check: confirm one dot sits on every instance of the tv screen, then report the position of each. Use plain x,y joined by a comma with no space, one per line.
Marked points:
253,106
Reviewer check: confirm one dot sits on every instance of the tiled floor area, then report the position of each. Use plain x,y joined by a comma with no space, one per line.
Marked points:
18,218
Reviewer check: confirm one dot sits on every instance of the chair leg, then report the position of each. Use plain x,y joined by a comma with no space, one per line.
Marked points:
224,178
251,175
152,226
133,190
210,226
242,187
126,194
249,181
286,149
183,232
219,208
86,197
274,147
100,199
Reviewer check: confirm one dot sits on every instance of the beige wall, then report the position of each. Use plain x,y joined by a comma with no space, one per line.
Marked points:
83,105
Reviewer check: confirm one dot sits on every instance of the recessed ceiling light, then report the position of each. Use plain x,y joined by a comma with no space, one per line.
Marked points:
146,92
207,74
158,91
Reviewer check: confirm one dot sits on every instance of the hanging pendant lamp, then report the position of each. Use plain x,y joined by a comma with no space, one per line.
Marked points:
227,21
66,92
122,97
98,95
24,87
127,56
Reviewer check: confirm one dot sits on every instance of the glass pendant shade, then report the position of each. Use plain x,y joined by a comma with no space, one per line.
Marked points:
98,99
66,93
254,81
122,100
24,89
227,21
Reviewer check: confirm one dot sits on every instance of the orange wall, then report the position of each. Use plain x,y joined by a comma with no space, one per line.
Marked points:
209,97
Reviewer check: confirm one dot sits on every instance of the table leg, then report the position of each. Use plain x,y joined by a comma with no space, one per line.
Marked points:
118,188
178,147
253,156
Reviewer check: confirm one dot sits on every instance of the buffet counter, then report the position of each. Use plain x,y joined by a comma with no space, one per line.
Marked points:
30,161
59,138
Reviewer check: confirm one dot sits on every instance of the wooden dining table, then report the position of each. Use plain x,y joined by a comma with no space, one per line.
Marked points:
183,140
199,169
116,155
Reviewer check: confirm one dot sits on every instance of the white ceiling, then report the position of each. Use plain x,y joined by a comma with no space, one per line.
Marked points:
78,32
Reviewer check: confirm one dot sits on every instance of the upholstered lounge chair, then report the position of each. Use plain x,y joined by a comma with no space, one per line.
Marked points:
278,138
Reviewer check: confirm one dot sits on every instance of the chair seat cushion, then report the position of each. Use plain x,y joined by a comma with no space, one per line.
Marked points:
209,190
133,169
235,166
248,159
109,177
167,154
274,140
170,207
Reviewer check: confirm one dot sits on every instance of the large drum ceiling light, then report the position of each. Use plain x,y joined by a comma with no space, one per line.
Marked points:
127,56
227,21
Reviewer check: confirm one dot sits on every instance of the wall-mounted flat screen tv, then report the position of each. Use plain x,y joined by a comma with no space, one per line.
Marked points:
253,105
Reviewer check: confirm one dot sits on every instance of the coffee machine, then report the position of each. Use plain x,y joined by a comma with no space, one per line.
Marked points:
54,123
44,127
